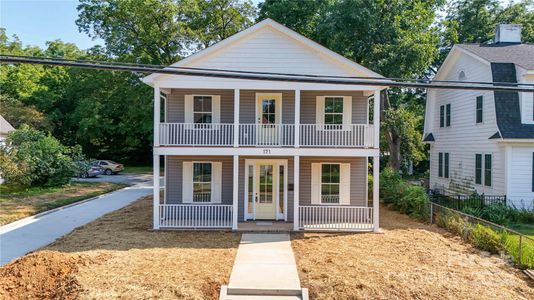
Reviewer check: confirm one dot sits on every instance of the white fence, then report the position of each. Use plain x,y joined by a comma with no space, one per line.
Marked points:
334,217
266,135
320,135
195,216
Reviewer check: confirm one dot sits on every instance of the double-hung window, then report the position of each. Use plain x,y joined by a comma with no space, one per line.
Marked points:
483,169
479,109
202,110
330,183
445,115
333,112
202,188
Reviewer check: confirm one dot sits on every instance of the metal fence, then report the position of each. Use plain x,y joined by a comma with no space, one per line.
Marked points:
518,246
460,202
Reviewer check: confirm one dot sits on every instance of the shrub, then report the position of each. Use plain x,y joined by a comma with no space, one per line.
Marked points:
43,158
392,186
414,202
486,239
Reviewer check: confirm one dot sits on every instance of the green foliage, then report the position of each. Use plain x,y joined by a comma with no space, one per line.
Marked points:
45,161
408,199
16,113
486,239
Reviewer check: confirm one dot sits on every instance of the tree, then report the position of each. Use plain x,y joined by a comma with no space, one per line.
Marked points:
392,37
17,114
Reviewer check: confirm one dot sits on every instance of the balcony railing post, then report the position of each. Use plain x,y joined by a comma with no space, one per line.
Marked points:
376,119
236,117
297,119
157,113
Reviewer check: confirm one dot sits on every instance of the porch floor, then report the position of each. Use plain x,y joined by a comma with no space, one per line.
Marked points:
265,226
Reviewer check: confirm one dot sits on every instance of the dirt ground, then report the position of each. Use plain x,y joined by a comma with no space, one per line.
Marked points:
117,256
410,260
23,204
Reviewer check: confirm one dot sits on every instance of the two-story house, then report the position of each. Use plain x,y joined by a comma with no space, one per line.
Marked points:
483,141
272,153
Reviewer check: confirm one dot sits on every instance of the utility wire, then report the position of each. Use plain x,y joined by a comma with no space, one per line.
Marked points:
271,73
306,78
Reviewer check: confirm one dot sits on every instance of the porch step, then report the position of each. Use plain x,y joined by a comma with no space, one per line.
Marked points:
261,295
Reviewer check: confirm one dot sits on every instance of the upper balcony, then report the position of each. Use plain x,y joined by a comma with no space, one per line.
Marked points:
266,118
266,135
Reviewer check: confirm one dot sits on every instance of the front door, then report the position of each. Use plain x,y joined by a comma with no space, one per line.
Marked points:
266,189
267,118
265,197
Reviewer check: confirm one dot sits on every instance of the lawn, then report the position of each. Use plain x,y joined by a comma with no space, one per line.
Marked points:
526,229
140,169
119,256
410,260
17,202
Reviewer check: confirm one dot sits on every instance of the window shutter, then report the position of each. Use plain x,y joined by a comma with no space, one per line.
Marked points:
441,116
216,109
216,182
347,112
446,172
344,184
478,168
187,182
440,164
319,110
315,183
188,109
448,115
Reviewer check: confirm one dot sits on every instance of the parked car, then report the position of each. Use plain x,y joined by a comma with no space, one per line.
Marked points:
109,167
86,170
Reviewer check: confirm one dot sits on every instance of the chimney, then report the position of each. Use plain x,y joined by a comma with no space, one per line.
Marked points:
508,33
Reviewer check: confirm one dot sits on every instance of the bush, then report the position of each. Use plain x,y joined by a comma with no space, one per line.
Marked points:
486,239
392,186
45,161
408,199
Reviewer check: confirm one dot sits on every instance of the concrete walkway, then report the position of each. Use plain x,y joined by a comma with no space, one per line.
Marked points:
264,268
32,233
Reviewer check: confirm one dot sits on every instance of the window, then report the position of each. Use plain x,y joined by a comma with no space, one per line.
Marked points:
532,171
202,109
330,183
448,115
462,76
446,171
333,112
479,109
442,116
440,164
478,168
487,170
268,113
202,173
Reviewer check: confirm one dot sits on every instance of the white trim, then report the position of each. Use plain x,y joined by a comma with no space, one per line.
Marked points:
155,192
165,164
187,182
507,169
482,183
297,118
333,56
296,192
278,106
267,152
454,54
189,108
376,186
157,114
237,94
376,118
235,191
344,183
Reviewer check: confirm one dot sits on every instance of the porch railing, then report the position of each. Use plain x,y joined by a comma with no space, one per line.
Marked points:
333,217
195,216
321,135
266,135
192,134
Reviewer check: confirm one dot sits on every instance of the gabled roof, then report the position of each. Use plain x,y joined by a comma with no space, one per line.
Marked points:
305,42
519,54
429,138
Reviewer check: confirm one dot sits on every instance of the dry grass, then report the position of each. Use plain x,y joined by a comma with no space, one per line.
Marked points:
17,203
410,260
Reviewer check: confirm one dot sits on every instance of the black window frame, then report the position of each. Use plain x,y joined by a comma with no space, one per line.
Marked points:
488,171
478,168
479,109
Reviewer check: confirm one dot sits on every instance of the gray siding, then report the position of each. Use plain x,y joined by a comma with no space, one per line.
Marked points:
308,101
358,178
174,112
247,104
173,181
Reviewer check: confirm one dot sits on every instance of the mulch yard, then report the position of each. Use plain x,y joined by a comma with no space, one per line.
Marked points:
118,256
410,260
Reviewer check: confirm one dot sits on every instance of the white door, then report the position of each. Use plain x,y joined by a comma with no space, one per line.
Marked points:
266,189
266,197
268,118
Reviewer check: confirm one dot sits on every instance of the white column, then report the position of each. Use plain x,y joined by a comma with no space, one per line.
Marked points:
376,179
296,190
376,119
156,192
297,118
157,112
236,117
235,193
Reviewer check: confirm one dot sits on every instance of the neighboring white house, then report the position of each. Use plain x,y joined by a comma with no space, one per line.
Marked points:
239,150
483,141
5,128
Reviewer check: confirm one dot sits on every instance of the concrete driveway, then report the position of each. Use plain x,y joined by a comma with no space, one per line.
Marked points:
32,233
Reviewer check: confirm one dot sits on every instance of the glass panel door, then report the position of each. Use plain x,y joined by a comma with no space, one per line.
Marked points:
268,107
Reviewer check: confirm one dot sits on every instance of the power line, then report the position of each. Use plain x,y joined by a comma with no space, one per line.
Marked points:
305,78
269,73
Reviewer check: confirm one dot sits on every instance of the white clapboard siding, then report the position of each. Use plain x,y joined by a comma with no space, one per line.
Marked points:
521,194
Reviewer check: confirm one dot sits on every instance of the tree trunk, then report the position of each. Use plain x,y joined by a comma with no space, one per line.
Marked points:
392,136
